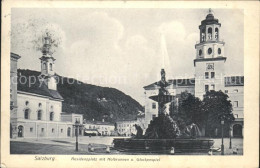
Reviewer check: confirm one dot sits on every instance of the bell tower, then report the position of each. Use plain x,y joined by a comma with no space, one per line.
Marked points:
47,64
210,59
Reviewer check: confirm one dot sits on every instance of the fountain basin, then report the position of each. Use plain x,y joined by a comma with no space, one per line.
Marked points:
162,145
162,98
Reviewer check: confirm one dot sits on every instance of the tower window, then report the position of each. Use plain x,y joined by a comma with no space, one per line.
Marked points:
210,33
209,51
203,35
40,105
206,75
26,114
200,52
39,115
52,130
212,74
219,51
154,106
216,33
44,66
235,103
27,103
51,116
50,66
154,116
206,88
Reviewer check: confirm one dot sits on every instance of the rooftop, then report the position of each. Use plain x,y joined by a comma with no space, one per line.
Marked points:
32,83
99,123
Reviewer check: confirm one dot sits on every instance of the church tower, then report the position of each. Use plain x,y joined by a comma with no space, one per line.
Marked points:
47,64
210,58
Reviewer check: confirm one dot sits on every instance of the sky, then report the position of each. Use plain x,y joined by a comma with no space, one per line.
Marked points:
124,48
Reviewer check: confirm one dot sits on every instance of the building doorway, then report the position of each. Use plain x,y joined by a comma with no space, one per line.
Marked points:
237,130
11,131
20,131
69,132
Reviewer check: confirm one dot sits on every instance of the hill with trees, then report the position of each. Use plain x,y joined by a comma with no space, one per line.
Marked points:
94,102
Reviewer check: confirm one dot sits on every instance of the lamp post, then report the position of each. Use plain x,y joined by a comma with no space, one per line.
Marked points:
222,144
230,142
77,125
37,132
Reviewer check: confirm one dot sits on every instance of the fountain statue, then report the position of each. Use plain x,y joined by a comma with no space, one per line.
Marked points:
139,130
163,133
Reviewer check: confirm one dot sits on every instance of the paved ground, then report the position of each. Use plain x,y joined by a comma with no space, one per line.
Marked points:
66,146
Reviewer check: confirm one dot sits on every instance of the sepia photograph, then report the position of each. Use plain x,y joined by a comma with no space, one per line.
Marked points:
131,81
122,82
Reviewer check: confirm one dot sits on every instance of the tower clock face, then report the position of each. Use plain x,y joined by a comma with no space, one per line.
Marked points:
210,66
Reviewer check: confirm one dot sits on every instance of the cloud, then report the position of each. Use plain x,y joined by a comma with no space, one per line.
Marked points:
96,51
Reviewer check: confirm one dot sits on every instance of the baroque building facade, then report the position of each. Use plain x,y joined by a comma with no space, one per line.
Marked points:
209,65
36,105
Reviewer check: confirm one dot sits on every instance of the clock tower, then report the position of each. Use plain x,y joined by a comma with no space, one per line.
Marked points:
210,59
47,64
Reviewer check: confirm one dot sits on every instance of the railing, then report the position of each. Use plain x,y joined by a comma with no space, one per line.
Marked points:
212,40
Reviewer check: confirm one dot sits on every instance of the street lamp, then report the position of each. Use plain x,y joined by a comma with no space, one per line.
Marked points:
37,132
230,142
222,144
77,125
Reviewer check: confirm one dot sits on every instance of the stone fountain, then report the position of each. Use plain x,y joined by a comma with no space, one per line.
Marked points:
163,134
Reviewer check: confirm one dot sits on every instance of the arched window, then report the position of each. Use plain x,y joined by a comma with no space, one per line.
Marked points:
27,103
51,116
203,35
68,131
20,131
50,66
219,51
40,105
26,113
209,51
200,52
39,115
216,33
210,33
44,66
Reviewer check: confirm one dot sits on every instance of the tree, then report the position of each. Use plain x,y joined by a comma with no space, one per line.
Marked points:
187,109
217,107
162,127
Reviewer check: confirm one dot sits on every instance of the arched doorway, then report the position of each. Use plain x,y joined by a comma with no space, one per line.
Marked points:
20,131
69,132
237,130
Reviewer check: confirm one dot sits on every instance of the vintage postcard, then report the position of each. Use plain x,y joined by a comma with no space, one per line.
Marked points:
130,83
